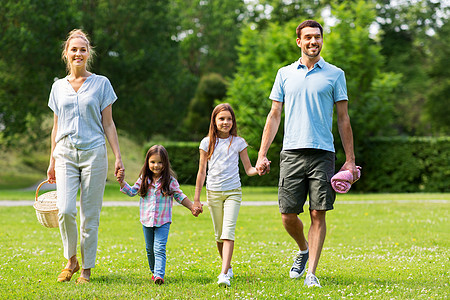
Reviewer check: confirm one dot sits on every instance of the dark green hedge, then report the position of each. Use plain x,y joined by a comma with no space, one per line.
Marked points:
389,164
401,164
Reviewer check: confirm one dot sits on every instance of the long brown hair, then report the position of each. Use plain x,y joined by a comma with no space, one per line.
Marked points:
213,135
147,175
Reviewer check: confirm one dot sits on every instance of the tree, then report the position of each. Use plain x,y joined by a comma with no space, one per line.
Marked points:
212,87
437,104
263,12
30,51
208,32
406,28
136,50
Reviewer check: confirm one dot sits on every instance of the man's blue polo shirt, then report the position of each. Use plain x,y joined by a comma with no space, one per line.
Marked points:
309,98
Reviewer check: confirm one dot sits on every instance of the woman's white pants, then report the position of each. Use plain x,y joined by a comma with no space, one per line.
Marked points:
87,170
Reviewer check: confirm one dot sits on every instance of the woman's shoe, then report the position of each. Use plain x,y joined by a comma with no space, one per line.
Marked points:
66,274
82,280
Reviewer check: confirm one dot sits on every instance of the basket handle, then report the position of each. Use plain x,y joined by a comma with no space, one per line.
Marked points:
37,190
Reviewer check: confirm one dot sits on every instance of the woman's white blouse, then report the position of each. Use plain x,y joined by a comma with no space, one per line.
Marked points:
80,113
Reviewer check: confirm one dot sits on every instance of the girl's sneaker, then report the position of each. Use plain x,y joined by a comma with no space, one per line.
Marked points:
224,280
159,280
312,281
230,273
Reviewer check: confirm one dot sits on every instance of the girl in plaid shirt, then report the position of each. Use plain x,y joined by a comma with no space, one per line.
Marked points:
157,187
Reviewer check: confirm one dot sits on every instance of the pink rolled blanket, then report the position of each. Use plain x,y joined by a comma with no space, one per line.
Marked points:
342,181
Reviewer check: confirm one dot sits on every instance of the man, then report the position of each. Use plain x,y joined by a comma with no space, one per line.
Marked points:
309,88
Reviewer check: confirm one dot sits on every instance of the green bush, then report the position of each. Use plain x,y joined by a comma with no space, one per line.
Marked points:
401,164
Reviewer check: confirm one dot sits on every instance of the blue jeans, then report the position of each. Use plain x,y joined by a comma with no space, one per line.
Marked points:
155,244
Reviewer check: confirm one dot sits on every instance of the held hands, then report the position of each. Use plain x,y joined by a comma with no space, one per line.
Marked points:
197,208
263,166
118,165
120,175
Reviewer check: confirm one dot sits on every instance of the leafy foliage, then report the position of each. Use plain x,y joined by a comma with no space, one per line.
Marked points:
408,39
30,47
136,52
208,32
437,104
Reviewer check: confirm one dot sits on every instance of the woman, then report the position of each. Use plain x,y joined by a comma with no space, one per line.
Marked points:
81,103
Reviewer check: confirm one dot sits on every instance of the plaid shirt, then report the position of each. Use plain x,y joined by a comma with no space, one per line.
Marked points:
155,208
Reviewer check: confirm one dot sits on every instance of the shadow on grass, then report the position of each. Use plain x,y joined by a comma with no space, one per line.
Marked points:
125,279
139,280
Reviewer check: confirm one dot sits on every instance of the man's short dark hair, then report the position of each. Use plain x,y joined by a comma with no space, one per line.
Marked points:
308,23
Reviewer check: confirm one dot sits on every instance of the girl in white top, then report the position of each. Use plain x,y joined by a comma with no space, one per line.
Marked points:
221,150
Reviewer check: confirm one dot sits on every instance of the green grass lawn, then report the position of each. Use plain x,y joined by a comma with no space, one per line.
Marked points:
373,250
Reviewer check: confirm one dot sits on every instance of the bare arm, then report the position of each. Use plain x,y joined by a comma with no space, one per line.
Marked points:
346,133
249,169
201,176
188,204
51,168
269,133
110,131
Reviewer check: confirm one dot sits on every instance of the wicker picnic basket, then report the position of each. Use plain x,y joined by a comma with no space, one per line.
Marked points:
45,206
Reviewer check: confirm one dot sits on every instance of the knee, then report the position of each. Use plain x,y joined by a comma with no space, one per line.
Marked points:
289,219
318,216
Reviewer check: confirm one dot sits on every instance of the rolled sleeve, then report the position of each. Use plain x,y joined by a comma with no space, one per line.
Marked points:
109,95
178,194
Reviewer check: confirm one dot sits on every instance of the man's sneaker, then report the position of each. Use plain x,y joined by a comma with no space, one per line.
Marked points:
299,266
224,280
311,281
159,280
230,273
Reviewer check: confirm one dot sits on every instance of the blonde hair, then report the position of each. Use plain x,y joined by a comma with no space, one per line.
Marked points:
77,33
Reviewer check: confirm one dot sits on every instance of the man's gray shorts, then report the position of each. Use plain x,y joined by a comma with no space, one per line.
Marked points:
303,172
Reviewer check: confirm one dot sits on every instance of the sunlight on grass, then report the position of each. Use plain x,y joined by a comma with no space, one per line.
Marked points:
395,251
